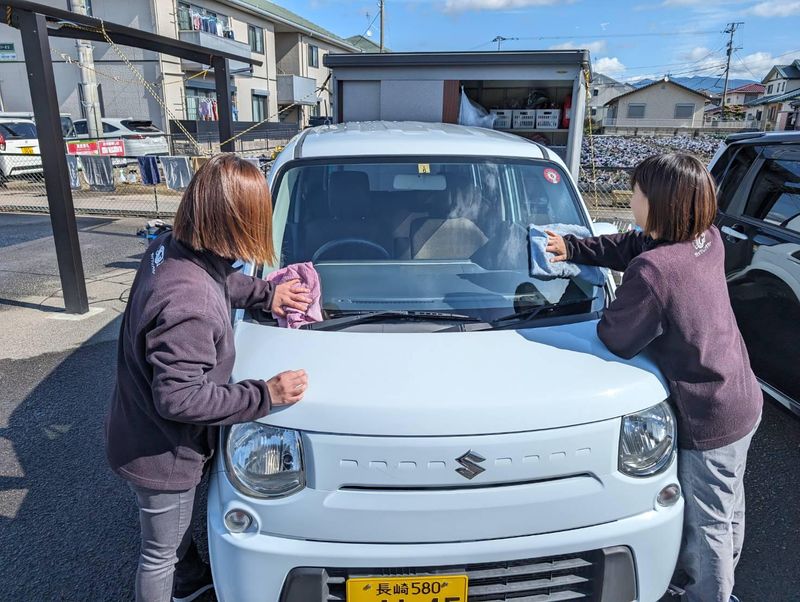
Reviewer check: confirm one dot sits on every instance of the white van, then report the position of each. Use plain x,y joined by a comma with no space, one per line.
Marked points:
465,435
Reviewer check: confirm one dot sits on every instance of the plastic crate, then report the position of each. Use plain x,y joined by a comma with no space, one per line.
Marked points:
525,119
547,119
502,119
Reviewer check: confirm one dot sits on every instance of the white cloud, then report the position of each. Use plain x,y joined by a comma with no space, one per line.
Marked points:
597,47
776,8
457,6
756,65
610,66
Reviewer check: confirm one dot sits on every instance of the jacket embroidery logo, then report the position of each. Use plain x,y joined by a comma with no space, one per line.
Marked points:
156,259
700,245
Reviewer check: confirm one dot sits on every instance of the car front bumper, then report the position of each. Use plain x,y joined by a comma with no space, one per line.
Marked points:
634,555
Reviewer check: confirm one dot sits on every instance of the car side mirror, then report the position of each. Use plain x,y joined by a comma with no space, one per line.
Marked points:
603,228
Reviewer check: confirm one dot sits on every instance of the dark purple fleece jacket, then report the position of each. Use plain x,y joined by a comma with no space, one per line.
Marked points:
673,301
175,358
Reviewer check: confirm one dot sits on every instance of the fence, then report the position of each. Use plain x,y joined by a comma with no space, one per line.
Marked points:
123,193
22,189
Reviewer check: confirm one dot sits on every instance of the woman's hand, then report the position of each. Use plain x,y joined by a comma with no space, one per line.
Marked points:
287,388
290,295
556,246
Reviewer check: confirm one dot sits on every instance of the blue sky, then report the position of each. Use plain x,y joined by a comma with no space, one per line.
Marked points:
627,40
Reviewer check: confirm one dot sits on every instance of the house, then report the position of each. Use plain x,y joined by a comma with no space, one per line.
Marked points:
366,44
773,110
744,94
659,106
291,49
603,90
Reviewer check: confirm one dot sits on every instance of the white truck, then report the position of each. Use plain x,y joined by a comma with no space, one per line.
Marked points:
465,435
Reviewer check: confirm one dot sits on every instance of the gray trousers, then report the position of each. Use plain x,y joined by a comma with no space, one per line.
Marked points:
713,532
166,528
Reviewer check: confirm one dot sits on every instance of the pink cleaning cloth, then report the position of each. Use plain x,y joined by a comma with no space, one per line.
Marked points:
308,276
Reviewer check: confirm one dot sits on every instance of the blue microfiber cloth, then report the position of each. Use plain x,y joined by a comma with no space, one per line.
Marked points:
542,267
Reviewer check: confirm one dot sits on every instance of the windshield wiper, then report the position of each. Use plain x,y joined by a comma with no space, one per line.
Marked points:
530,313
374,316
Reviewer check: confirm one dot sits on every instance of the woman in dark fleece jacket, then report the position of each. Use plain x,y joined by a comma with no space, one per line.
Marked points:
674,303
175,359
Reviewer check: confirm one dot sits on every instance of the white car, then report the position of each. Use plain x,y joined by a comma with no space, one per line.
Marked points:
19,148
465,435
140,136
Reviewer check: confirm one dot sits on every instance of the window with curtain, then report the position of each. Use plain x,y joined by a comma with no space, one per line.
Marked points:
255,37
313,56
636,111
260,107
685,110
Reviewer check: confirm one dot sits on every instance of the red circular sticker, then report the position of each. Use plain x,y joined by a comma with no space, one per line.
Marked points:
552,176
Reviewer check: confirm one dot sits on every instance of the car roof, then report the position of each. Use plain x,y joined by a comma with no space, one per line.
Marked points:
386,138
16,120
763,138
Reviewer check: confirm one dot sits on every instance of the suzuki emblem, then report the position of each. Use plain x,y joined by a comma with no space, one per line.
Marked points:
469,465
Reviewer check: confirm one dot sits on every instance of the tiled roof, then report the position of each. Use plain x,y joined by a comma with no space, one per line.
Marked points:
748,89
365,44
286,15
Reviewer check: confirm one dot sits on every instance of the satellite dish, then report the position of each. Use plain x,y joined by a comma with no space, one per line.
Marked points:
369,33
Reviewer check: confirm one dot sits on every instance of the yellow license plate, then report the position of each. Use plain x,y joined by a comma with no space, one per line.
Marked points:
27,150
441,588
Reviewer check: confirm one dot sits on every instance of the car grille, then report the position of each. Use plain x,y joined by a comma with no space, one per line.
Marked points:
552,579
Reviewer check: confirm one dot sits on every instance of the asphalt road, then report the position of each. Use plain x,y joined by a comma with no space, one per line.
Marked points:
68,527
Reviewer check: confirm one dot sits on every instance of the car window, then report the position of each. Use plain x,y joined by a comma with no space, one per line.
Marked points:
17,130
423,233
140,126
108,128
775,197
729,180
81,128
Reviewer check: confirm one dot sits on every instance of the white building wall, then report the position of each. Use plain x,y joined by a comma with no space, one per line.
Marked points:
660,101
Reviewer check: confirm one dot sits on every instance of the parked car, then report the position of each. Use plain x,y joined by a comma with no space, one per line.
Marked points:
465,432
758,176
141,137
19,148
67,127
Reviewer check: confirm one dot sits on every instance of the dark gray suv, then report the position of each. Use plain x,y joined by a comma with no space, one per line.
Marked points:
758,175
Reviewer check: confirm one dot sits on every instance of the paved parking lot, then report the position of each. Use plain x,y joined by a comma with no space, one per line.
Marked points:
68,527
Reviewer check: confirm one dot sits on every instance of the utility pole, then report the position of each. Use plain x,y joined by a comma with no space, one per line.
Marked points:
731,29
501,39
382,7
91,98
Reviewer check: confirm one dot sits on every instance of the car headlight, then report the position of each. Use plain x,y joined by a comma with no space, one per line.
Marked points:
647,441
264,461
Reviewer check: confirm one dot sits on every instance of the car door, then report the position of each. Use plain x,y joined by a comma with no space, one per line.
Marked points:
762,236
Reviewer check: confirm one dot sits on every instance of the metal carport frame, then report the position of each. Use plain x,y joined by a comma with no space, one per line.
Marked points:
36,23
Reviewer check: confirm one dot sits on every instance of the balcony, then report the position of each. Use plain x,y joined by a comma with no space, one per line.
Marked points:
215,42
293,89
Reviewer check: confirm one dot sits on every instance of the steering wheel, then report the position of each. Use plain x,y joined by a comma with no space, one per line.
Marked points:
339,242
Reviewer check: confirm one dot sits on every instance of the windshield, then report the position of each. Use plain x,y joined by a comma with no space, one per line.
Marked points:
18,130
425,235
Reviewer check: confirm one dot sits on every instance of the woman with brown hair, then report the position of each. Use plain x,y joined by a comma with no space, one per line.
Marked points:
175,358
674,303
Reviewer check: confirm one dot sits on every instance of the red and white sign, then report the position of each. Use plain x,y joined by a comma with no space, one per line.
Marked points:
552,176
104,148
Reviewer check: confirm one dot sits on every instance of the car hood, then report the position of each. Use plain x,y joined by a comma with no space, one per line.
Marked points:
448,384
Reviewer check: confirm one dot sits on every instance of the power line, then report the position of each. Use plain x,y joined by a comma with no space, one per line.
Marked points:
621,35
